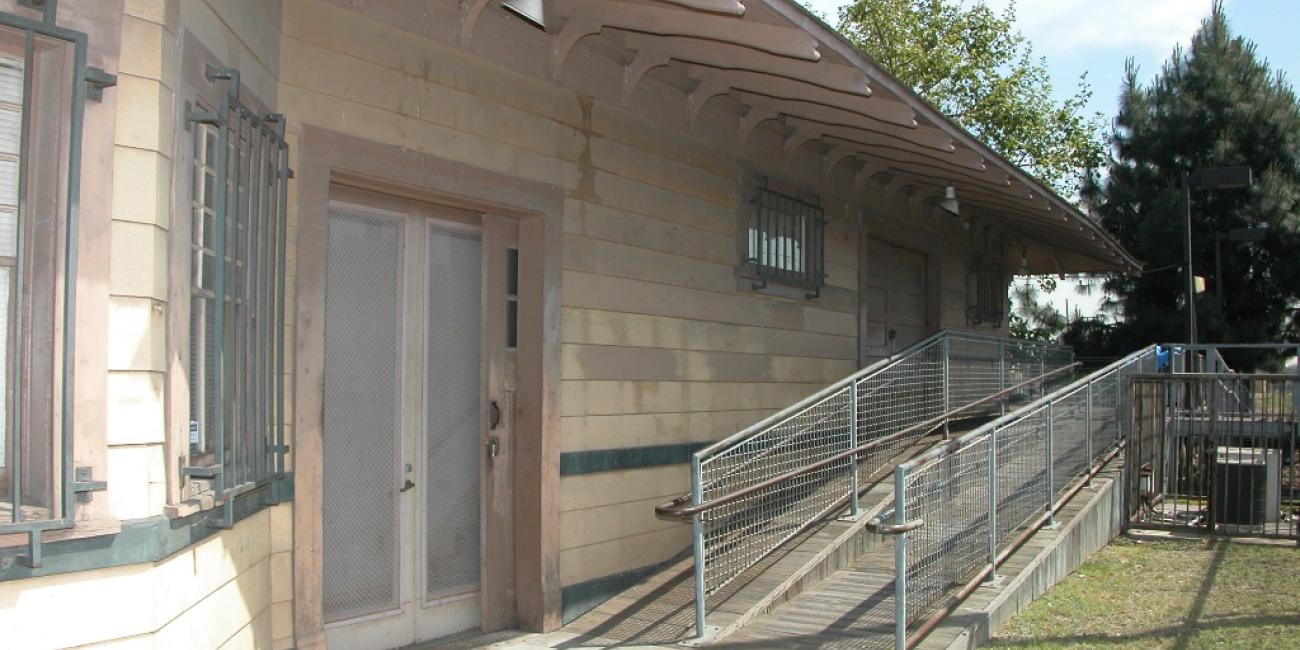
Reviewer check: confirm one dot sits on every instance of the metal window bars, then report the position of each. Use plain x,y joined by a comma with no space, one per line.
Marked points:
765,484
786,241
44,174
237,413
962,505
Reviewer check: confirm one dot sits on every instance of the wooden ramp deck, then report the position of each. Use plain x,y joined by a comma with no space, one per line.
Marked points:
661,609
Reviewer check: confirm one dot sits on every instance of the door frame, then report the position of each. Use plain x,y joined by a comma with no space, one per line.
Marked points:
932,254
529,595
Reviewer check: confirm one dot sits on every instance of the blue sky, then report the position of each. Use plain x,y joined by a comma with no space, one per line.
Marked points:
1096,36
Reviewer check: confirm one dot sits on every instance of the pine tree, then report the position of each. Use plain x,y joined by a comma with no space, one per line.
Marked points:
1214,104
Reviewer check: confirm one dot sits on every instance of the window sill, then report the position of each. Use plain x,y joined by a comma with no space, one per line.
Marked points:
775,288
205,500
83,529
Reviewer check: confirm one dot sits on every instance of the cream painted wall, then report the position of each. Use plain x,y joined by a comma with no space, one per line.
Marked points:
231,590
663,343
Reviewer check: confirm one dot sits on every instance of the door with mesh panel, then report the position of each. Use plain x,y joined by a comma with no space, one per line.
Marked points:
362,423
404,455
452,424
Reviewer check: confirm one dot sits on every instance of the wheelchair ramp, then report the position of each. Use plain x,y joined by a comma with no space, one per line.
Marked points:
661,609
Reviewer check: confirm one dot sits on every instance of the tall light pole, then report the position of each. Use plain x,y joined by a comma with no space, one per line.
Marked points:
1209,178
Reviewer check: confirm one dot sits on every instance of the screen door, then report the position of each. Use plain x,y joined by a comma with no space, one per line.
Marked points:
403,422
362,432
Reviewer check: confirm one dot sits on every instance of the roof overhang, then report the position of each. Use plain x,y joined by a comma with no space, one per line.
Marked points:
783,64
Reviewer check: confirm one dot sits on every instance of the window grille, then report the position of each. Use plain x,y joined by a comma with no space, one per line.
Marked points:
44,83
786,241
987,292
237,290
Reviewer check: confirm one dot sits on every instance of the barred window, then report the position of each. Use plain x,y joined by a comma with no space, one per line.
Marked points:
987,292
42,75
239,178
786,240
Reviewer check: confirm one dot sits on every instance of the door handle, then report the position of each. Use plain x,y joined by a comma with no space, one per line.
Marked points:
409,484
494,415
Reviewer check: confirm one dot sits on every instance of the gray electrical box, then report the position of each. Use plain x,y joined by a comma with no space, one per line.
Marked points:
1247,486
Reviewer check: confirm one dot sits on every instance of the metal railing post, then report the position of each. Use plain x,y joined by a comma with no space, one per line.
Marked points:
1002,375
1051,492
853,444
1295,418
993,506
697,542
1087,439
1119,406
900,560
1042,369
947,381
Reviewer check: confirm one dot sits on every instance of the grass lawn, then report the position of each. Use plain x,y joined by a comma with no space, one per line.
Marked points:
1169,594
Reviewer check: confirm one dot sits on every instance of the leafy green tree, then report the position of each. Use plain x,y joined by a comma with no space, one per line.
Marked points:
975,67
1031,318
1214,104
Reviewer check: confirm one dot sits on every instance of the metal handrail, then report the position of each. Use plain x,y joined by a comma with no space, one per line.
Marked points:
823,433
975,434
779,445
676,510
877,367
1054,408
819,396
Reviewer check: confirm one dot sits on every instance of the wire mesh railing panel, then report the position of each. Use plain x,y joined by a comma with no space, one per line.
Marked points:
963,503
901,395
756,490
976,369
1070,452
739,533
1022,472
1023,361
1058,356
951,495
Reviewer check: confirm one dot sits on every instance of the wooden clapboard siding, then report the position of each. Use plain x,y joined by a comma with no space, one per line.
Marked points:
600,327
659,232
614,556
654,364
663,342
603,489
736,308
591,432
612,397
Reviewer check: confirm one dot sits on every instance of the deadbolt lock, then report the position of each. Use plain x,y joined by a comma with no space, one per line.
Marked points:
493,446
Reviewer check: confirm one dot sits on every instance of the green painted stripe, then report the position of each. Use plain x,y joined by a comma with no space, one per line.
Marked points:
580,598
609,460
141,540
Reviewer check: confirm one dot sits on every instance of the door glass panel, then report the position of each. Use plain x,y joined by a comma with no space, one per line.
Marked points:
362,335
452,412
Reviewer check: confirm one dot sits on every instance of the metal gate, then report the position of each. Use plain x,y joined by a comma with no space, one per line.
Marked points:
1216,453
